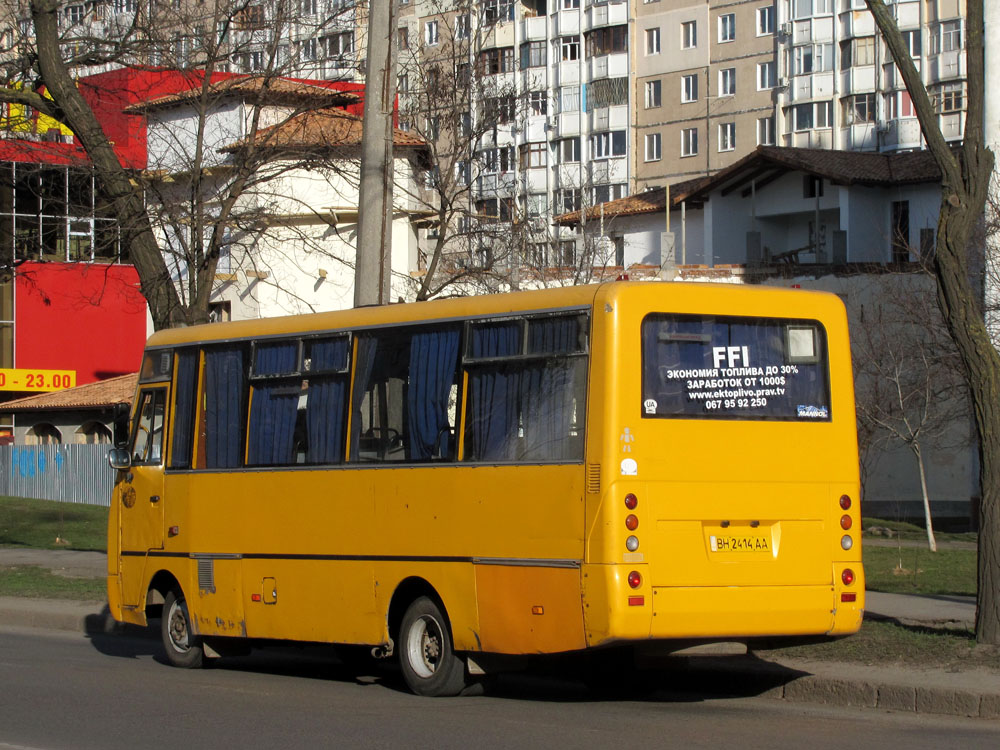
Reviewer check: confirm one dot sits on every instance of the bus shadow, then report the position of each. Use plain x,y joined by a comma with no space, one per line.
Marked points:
559,678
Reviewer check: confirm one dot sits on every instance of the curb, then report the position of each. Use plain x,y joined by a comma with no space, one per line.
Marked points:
741,676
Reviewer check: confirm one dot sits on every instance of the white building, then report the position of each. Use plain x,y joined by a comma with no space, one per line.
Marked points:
290,237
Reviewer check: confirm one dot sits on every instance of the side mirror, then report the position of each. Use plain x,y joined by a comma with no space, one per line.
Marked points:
119,458
121,425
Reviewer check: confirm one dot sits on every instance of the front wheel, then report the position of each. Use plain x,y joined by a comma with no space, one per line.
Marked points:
427,658
183,647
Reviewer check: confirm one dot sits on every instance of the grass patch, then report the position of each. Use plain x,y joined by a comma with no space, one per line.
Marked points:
38,523
38,583
886,644
912,532
917,570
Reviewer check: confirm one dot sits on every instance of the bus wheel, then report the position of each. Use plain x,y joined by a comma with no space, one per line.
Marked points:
429,663
182,646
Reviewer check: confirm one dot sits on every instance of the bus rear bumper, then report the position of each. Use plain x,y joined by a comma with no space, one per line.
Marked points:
749,611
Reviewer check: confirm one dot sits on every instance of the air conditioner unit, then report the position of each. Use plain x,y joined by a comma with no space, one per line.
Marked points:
882,126
786,28
782,82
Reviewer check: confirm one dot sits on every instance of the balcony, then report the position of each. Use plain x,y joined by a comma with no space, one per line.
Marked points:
609,66
567,23
534,29
606,14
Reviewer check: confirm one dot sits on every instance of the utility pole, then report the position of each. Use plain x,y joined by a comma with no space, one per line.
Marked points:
373,267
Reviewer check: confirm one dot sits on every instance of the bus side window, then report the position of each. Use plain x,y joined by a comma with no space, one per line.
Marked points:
403,407
527,388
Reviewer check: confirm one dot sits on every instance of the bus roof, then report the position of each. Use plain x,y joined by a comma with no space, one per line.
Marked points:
460,308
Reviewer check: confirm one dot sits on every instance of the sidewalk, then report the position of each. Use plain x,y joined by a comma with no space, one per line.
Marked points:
966,693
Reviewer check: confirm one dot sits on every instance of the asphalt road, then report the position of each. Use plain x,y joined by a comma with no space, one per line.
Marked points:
68,691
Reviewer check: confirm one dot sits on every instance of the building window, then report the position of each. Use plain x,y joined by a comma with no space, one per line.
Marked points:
950,97
403,83
811,116
898,104
653,41
813,58
43,433
689,88
809,8
765,131
911,37
653,151
340,46
727,82
570,4
431,34
689,34
569,150
499,109
569,99
538,103
403,38
606,145
727,136
496,60
727,27
653,90
462,26
605,193
689,142
855,52
607,40
570,46
74,13
308,50
533,54
566,200
859,108
947,37
766,75
765,20
533,155
498,10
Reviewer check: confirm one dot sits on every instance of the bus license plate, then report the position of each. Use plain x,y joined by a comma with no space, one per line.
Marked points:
739,543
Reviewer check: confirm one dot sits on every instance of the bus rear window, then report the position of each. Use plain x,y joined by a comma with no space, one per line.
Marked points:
707,366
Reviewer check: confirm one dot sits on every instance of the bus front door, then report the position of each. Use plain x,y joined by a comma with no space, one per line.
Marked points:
141,512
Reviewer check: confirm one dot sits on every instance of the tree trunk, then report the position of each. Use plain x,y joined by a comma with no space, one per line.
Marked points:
125,197
963,313
931,541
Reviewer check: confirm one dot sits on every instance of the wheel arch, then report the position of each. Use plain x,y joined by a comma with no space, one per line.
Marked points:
408,591
160,585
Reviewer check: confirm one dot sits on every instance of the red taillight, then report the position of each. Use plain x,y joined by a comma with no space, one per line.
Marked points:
634,579
631,522
847,576
845,522
848,597
636,601
845,502
631,501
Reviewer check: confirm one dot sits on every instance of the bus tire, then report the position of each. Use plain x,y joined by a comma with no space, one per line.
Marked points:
183,647
427,659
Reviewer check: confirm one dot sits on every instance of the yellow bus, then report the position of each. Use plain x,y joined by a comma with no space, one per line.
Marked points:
535,472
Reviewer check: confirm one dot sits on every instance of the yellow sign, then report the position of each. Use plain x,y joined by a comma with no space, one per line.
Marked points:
24,379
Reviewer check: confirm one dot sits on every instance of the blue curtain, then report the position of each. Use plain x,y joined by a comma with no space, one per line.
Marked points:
494,389
554,335
325,406
433,359
184,400
366,348
273,407
223,397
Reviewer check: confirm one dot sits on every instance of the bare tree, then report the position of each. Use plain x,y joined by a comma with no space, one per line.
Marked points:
909,388
197,198
966,172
